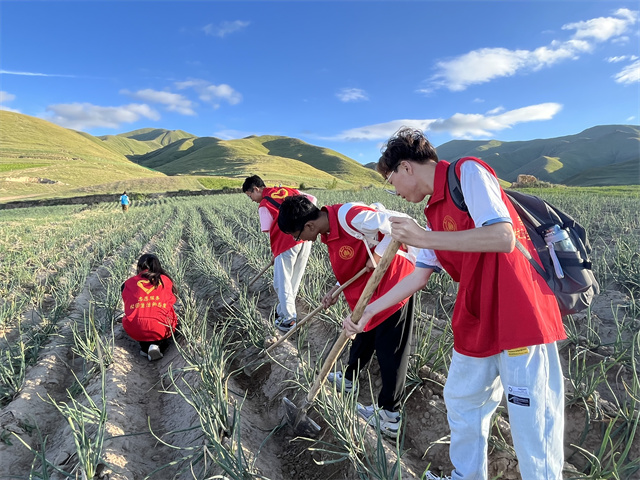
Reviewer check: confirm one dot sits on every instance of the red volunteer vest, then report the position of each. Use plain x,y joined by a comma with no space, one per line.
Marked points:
280,242
148,310
502,302
348,255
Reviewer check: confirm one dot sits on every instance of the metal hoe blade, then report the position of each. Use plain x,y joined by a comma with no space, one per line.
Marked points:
297,417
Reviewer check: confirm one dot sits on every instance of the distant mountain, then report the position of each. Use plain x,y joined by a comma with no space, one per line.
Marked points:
276,159
599,156
371,165
39,157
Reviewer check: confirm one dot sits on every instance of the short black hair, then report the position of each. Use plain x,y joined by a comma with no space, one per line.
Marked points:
406,144
295,211
252,181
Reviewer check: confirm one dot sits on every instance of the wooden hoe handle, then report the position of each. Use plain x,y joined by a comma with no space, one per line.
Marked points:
316,310
264,269
367,293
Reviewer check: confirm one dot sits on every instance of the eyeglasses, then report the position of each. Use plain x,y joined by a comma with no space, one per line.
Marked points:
386,181
299,233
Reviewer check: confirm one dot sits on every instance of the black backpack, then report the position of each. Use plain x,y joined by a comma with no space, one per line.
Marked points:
575,291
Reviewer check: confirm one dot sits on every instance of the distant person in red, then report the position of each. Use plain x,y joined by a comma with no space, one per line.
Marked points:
148,298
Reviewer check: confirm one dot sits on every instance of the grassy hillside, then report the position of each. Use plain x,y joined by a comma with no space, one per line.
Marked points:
559,159
207,156
323,159
616,174
157,135
145,140
277,159
128,146
39,158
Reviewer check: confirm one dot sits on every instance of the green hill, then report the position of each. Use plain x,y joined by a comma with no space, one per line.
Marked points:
277,159
40,158
128,146
616,174
157,135
560,159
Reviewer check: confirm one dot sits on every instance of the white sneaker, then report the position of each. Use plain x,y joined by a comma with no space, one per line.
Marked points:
340,382
285,325
432,476
154,352
388,422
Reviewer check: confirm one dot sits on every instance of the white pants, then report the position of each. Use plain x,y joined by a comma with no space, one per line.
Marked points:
533,382
288,269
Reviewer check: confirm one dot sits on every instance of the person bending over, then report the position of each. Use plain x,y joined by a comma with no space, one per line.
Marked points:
357,235
289,256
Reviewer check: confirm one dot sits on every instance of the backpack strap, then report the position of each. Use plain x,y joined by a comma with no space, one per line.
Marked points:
455,190
272,202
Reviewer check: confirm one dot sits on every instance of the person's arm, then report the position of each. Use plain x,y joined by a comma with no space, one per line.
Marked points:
493,232
266,220
404,289
498,237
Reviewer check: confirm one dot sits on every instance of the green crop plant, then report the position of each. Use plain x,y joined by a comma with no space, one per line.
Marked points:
432,350
88,428
13,366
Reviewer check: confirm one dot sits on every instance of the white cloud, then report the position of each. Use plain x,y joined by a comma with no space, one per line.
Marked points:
7,97
496,110
629,74
459,125
476,125
621,58
81,116
602,29
174,102
352,95
225,28
34,74
486,64
212,94
631,118
380,131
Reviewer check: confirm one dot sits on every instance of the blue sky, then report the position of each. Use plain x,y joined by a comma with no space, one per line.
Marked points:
343,75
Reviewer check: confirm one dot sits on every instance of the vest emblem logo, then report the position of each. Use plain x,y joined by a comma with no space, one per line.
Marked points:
449,224
346,252
144,285
280,194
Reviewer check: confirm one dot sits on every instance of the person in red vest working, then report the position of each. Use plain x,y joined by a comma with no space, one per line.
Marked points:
506,320
289,256
356,236
148,298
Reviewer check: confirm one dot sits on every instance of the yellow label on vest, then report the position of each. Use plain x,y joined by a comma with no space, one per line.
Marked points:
516,352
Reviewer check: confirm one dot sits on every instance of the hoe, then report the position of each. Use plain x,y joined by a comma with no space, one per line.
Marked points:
250,369
297,417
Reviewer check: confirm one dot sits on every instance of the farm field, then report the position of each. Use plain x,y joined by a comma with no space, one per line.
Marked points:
78,401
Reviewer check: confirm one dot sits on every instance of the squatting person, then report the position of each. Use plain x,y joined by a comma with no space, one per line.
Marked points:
149,317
